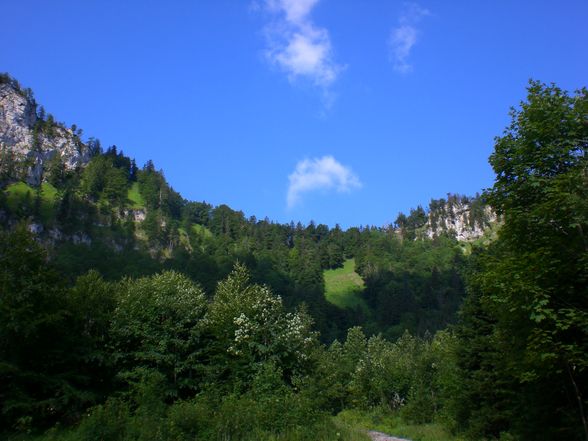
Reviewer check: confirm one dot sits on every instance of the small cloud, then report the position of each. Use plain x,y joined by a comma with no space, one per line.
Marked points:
296,11
297,46
402,40
404,36
324,173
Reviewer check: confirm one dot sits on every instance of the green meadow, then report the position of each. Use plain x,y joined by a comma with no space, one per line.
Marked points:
135,197
20,196
343,286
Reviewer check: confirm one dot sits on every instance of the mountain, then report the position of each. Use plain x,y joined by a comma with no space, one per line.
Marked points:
461,216
31,141
125,307
33,145
94,209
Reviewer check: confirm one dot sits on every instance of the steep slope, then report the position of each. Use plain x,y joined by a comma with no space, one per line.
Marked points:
465,218
461,217
94,209
31,143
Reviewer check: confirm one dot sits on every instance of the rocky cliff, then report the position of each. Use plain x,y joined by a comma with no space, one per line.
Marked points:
29,140
465,218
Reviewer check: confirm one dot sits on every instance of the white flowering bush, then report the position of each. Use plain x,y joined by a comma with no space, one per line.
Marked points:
252,327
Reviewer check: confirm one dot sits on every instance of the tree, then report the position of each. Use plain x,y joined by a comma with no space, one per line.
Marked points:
155,327
92,302
251,328
8,165
55,171
37,376
94,147
533,282
94,176
115,186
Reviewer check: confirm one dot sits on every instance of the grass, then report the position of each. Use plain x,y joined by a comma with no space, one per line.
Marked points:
48,198
18,193
390,423
343,286
349,432
330,429
135,197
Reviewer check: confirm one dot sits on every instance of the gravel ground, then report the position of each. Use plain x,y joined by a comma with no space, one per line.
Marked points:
379,436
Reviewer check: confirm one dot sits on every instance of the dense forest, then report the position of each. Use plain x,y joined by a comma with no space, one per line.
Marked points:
130,313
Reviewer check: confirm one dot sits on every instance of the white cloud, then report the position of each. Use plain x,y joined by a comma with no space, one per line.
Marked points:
296,10
405,36
324,173
297,46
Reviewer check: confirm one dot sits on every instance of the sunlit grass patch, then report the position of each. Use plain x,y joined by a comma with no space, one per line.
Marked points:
343,286
135,197
17,193
20,194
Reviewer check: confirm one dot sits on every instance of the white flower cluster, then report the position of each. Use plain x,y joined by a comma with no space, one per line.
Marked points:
266,331
243,333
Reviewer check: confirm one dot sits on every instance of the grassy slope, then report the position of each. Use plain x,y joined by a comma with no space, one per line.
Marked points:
343,286
17,193
135,197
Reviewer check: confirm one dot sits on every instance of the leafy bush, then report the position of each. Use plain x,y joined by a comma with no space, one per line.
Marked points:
156,326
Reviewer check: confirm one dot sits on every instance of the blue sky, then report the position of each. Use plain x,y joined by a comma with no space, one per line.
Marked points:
337,111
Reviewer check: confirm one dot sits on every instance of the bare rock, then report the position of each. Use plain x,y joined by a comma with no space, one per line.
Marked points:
28,148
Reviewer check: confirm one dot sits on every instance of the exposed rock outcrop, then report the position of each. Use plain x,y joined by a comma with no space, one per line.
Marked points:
28,141
462,217
466,219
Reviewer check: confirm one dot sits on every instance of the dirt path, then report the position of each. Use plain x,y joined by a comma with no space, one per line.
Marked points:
379,436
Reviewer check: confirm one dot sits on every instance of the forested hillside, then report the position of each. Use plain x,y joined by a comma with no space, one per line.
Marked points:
106,213
128,312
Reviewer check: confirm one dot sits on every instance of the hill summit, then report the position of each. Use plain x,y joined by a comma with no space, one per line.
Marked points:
36,148
32,143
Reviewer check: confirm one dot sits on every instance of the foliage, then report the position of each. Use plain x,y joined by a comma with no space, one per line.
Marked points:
153,330
251,328
38,381
380,419
155,327
528,300
409,375
414,285
104,178
208,418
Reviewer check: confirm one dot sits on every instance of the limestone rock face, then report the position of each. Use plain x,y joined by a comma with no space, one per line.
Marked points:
28,143
462,219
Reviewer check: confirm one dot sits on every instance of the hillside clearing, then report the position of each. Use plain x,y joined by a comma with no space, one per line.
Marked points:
343,286
135,197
